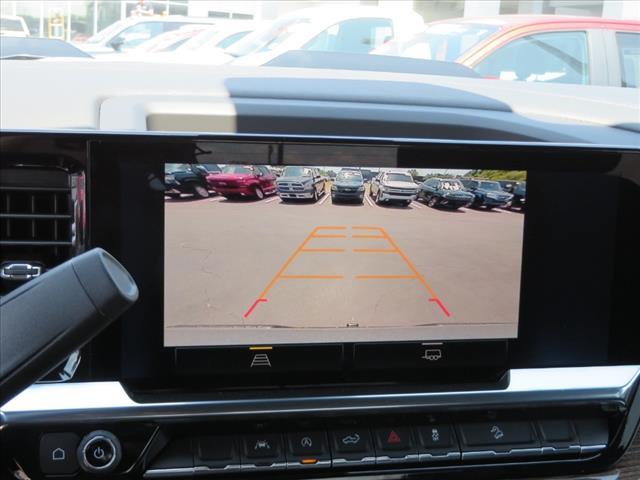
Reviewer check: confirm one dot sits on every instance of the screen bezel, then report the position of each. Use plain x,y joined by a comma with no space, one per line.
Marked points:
156,365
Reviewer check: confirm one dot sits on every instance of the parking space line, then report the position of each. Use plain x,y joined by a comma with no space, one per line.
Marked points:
271,200
366,236
380,233
384,277
319,277
409,264
416,205
374,250
323,250
216,199
369,201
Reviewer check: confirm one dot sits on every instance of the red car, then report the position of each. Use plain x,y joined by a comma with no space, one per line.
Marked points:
243,181
533,48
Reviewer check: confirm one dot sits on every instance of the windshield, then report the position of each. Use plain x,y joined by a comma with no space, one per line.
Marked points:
237,169
349,176
105,34
268,37
490,186
451,185
398,177
297,172
441,41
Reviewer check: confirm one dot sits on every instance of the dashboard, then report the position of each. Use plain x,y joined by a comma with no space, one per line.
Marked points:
320,306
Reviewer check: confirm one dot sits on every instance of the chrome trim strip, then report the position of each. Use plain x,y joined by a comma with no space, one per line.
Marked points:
98,401
168,472
339,462
243,136
385,459
428,457
514,452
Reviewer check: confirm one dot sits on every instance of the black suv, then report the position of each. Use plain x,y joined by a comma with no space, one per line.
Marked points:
445,192
488,193
188,178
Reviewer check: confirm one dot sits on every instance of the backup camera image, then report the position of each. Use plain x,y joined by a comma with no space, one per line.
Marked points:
258,255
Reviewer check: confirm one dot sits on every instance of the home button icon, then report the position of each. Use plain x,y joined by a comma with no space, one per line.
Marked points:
57,453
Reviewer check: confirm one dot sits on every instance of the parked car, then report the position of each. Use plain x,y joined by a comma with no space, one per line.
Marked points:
508,185
126,34
393,187
348,185
243,181
445,192
348,29
533,48
300,183
519,198
488,193
12,26
188,178
21,48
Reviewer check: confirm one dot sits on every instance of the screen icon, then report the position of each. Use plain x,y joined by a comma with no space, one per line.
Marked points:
497,432
262,445
352,439
58,455
260,360
306,442
435,435
432,355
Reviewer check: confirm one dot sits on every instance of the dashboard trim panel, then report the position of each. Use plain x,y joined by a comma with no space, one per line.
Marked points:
108,401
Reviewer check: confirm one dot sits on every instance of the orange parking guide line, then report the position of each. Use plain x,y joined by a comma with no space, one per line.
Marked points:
408,262
263,347
381,234
306,277
384,277
374,250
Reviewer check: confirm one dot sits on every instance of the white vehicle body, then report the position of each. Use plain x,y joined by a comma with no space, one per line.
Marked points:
347,29
133,31
12,26
392,186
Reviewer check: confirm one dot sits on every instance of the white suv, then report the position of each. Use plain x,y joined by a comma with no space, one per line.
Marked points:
393,187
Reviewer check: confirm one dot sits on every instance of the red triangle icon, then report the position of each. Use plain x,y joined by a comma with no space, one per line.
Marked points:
393,437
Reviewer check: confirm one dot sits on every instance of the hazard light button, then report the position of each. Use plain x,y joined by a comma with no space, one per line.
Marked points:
395,444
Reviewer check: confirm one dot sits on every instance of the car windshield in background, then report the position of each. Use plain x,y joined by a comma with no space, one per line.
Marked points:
452,185
490,186
297,172
237,169
440,41
398,177
349,176
269,37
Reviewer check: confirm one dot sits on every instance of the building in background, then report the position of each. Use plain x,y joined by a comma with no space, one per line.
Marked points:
79,19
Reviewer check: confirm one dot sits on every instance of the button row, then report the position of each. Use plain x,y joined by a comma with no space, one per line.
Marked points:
433,441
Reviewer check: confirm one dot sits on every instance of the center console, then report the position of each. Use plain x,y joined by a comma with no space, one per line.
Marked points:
332,306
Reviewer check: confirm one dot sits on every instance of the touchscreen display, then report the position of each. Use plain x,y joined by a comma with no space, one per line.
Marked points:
263,255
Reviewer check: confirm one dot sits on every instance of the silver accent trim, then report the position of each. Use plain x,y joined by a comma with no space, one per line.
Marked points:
591,448
250,467
339,462
385,459
34,271
168,472
318,464
514,452
429,457
204,470
570,450
64,403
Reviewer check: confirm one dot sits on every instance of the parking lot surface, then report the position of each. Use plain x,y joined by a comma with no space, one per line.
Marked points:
256,272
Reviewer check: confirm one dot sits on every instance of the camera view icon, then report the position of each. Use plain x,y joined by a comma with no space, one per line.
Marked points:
260,360
432,355
353,439
497,432
306,442
262,445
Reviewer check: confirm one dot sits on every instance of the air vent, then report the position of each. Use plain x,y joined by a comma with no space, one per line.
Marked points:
38,212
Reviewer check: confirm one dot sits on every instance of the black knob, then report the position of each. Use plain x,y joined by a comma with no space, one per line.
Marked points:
99,452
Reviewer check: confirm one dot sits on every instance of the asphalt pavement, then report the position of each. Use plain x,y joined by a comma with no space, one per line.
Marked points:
245,272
